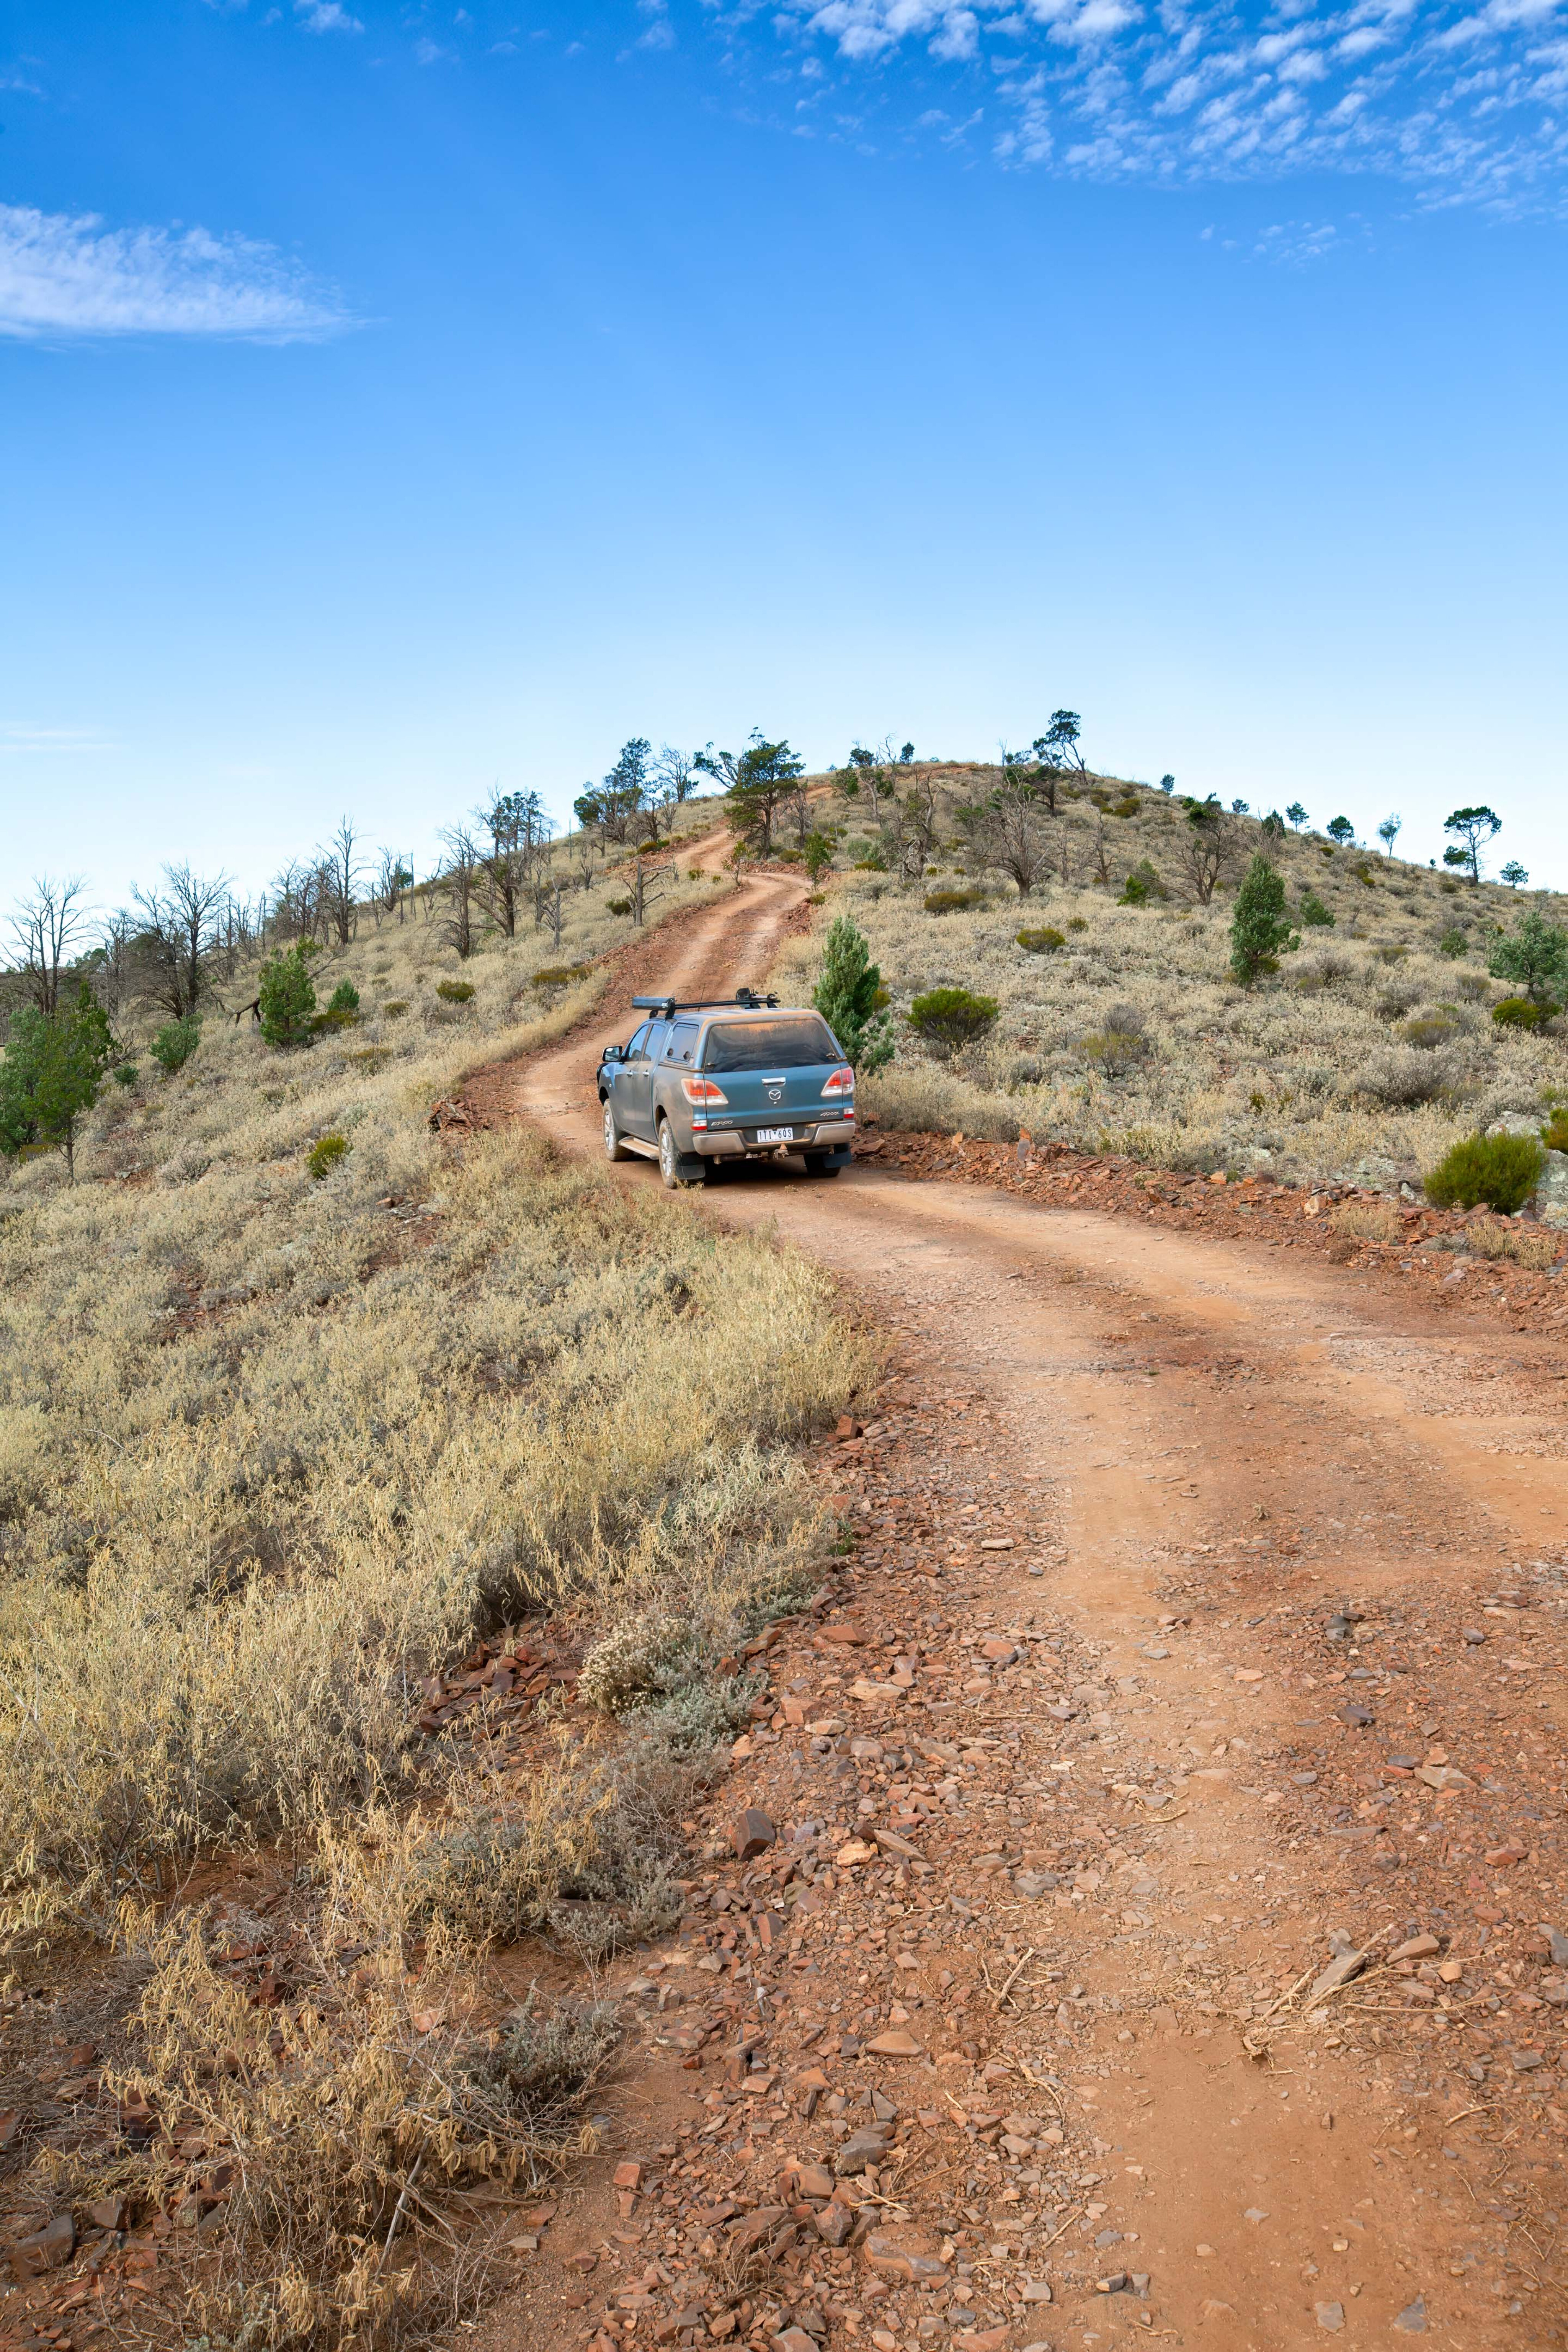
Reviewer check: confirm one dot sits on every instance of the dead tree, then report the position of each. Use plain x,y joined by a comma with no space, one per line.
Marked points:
460,880
43,927
340,872
176,932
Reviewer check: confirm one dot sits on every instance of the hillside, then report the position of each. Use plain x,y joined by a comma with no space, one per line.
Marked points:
1361,1059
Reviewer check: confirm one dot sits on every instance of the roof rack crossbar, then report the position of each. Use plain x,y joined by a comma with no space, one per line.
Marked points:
745,1000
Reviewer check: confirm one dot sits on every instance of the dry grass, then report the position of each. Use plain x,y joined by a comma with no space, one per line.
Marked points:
1366,1221
1527,1245
273,1448
1361,1060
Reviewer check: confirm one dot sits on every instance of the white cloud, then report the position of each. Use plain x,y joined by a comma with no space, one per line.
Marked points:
68,275
326,17
1113,87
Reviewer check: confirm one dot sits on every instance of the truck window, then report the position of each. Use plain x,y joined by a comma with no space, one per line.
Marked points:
794,1041
682,1045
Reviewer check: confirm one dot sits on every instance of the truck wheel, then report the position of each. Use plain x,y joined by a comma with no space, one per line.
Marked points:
668,1157
613,1148
818,1164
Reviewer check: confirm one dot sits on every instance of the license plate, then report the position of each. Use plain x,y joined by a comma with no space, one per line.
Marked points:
775,1134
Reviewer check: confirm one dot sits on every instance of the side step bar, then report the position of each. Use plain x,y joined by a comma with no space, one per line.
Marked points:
636,1143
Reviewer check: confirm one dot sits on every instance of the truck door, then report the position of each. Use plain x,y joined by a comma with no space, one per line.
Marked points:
634,1087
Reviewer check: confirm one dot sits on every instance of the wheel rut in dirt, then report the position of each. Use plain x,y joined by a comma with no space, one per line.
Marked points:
1199,1609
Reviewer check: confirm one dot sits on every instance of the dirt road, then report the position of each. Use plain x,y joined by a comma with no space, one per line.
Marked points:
1206,1614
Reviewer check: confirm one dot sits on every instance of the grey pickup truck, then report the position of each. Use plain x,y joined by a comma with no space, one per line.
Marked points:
701,1085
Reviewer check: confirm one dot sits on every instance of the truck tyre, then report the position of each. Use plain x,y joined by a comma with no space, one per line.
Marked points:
613,1148
819,1163
669,1158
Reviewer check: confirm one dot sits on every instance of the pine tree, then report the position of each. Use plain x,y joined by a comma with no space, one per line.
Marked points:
287,996
1258,929
847,996
54,1068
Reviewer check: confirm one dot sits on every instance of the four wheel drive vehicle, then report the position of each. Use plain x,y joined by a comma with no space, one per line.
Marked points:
746,1078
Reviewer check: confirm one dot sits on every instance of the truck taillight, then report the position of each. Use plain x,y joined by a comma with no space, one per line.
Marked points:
842,1082
702,1090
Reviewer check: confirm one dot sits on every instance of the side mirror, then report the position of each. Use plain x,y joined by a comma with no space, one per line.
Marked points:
613,1054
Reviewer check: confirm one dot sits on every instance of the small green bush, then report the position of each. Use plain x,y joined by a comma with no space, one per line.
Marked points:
1078,923
1454,944
1554,1134
175,1043
1523,1013
126,1075
559,975
619,905
459,992
952,902
951,1018
1431,1032
394,1006
286,996
1041,940
344,998
325,1155
1143,884
875,864
1503,1170
1313,913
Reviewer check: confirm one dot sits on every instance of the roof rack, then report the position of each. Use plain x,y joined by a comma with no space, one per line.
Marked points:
745,999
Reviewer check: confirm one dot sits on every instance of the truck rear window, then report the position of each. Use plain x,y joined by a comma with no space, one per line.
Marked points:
793,1042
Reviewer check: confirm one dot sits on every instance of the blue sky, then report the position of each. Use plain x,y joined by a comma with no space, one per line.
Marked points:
400,400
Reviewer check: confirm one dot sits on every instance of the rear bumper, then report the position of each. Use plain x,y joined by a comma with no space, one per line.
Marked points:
826,1135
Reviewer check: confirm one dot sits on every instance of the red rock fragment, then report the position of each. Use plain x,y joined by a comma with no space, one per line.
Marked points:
753,1833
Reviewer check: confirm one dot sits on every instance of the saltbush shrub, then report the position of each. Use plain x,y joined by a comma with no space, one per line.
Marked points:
1502,1170
1523,1013
951,1018
559,975
459,992
1043,939
1403,1075
1454,944
952,902
1554,1134
325,1154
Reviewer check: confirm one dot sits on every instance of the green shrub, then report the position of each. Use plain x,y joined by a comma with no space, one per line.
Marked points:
1041,940
559,975
619,905
459,992
875,864
950,1018
325,1155
1431,1032
1454,944
850,998
1143,884
344,998
1534,957
1258,929
287,996
1078,923
175,1043
1313,913
126,1075
1554,1134
394,1006
1503,1170
1524,1012
952,902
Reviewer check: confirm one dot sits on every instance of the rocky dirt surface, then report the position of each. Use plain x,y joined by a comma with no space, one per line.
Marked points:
1140,1911
1137,1910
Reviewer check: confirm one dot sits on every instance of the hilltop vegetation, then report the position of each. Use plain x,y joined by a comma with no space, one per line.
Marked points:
1119,1021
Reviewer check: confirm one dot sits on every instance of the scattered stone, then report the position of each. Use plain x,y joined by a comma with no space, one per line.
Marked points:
862,2148
45,2250
889,2260
1417,1947
1037,2290
834,2224
1557,1943
753,1832
1331,2315
107,2213
1346,1962
628,2175
894,2045
1412,2320
1358,1717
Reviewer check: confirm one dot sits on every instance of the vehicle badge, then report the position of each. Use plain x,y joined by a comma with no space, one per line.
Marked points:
776,1094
